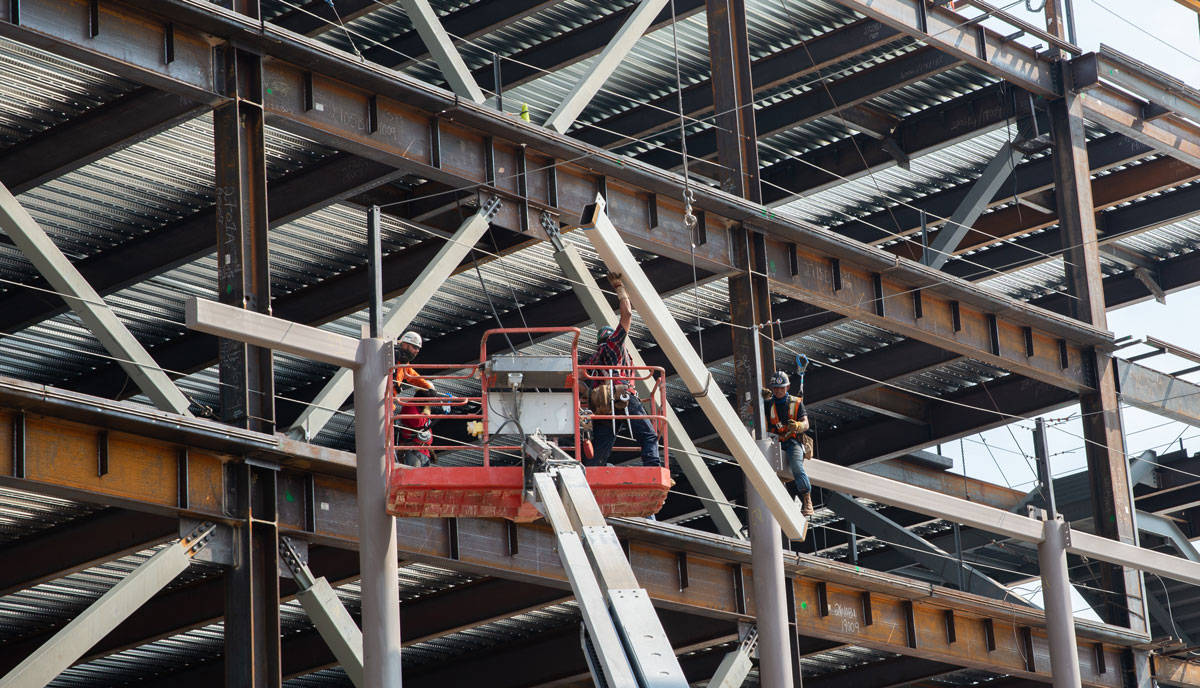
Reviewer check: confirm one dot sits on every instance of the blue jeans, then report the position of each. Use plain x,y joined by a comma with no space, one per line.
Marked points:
794,451
603,437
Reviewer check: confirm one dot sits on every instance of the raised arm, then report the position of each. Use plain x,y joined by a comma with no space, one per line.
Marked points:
626,309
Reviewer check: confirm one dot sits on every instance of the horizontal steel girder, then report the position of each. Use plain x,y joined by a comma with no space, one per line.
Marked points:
379,118
59,458
1160,393
1018,64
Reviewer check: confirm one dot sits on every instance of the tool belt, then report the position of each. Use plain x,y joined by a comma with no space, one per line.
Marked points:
601,402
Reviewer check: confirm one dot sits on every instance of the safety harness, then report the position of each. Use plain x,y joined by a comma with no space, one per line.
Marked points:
780,425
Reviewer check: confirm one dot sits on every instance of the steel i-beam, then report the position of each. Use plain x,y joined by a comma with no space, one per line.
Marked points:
106,613
699,381
252,649
1103,437
613,54
325,610
50,261
247,388
438,42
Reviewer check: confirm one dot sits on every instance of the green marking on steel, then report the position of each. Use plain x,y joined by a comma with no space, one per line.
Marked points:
804,605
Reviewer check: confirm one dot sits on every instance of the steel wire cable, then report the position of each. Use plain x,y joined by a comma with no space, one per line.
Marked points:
712,320
707,120
782,344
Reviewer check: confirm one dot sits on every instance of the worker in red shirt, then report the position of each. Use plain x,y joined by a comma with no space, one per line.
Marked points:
415,432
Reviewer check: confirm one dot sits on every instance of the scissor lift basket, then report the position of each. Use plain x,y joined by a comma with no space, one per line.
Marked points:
490,491
497,491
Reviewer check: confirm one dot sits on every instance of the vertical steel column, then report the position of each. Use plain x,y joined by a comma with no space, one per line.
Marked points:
1056,599
377,529
770,595
252,585
750,308
733,98
250,8
243,263
375,271
1111,506
1056,585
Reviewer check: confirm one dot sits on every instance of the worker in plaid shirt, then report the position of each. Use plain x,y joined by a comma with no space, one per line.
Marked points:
610,351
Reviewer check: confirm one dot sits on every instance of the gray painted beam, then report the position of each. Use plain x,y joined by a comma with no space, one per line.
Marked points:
65,279
1160,393
105,614
617,50
432,277
683,450
973,205
427,24
914,547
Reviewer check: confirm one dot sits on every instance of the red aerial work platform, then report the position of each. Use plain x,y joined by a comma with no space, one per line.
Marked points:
491,491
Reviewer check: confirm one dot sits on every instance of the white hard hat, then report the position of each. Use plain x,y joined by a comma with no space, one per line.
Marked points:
779,379
410,337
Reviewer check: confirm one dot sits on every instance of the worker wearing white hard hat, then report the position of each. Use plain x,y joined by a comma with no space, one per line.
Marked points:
407,348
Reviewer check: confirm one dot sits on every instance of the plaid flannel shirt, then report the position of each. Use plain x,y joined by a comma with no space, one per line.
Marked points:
611,352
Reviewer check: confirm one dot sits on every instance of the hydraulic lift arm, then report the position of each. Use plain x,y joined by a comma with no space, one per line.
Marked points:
623,640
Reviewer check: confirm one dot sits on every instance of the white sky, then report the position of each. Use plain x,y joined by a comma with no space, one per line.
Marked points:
1166,36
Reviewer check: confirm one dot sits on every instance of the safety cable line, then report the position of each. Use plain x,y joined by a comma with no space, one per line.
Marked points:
989,410
783,344
821,79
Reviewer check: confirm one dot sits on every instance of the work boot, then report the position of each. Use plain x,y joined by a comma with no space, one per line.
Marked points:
806,504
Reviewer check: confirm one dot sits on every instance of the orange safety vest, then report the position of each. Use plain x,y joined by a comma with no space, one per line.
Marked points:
780,426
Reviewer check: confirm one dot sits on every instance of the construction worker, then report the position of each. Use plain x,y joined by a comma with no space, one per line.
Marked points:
787,418
407,348
610,351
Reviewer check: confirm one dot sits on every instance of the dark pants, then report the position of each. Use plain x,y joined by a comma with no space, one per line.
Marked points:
641,429
794,451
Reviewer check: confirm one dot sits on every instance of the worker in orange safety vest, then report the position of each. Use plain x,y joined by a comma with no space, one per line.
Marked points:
787,418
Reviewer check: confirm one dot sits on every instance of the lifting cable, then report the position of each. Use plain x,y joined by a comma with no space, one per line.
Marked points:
689,216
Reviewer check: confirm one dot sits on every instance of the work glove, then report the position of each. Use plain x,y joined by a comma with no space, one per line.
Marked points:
614,280
797,426
766,394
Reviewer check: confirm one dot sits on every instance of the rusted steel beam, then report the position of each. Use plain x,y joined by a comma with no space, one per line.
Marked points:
143,475
876,298
247,382
93,135
921,631
816,103
926,131
1173,671
1027,179
1108,191
456,149
1108,469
